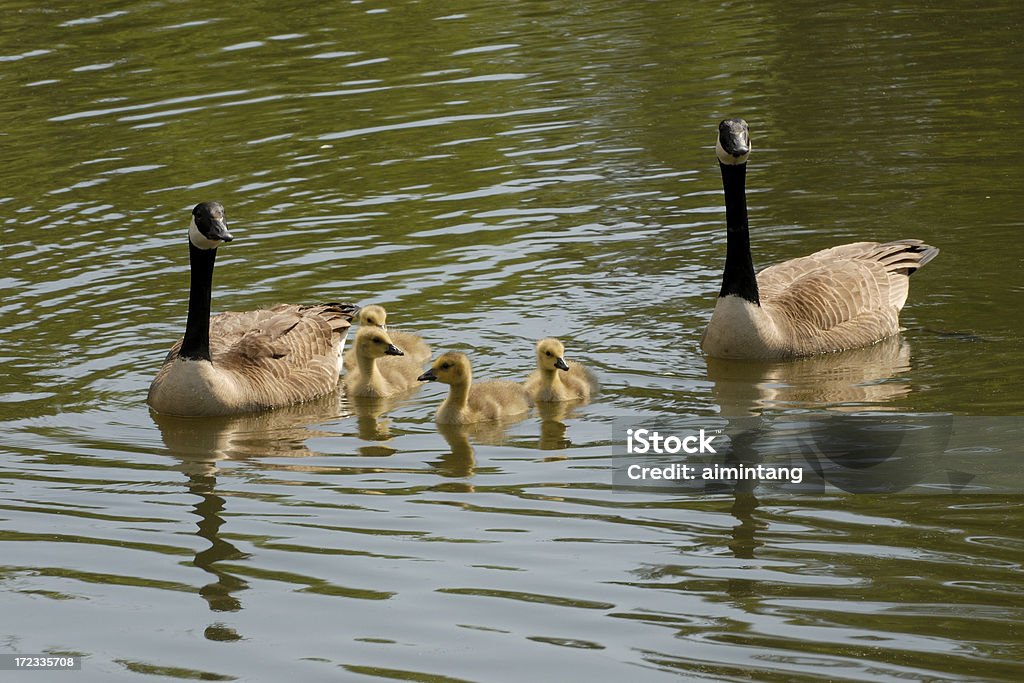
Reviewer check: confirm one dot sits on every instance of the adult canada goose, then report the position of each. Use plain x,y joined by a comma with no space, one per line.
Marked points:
380,379
411,344
468,402
556,380
243,362
835,299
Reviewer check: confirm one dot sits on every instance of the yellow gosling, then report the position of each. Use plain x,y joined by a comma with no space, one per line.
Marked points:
555,380
468,402
412,344
394,373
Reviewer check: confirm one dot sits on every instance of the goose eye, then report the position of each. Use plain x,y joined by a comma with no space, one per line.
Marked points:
548,354
445,366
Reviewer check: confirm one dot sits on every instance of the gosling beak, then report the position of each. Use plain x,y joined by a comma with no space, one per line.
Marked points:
428,376
393,350
561,364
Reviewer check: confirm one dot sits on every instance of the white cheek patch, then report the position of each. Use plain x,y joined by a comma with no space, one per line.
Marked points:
728,159
200,240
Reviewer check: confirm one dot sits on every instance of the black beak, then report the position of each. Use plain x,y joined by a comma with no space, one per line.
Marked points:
561,364
394,351
428,376
219,231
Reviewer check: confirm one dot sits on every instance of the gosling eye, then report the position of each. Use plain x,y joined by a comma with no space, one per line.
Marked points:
445,366
548,354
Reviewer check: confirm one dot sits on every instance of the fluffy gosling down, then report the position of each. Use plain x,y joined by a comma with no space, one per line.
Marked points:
467,402
411,344
396,372
555,380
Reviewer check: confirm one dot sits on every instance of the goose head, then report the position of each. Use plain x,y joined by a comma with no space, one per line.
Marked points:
449,368
373,316
208,229
550,355
733,146
373,342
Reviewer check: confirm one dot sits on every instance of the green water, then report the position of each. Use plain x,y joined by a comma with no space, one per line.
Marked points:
493,173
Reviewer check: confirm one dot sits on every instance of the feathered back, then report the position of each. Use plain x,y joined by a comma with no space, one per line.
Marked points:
259,359
842,297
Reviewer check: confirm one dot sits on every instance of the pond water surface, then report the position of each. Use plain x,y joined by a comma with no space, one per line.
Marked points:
495,172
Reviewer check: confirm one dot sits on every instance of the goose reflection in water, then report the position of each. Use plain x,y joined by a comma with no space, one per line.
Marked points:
199,445
865,379
848,381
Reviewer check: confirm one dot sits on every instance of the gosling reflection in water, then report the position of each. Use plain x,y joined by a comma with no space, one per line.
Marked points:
847,381
372,423
554,432
461,460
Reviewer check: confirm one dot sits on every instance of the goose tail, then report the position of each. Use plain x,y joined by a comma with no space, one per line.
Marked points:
904,256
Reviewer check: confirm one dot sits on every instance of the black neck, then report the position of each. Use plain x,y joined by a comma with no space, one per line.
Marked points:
196,344
739,278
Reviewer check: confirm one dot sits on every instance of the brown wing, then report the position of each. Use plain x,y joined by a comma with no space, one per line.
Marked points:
285,354
900,257
843,297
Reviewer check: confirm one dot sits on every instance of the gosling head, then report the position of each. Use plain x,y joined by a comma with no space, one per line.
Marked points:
373,342
208,229
733,146
550,355
449,368
373,316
